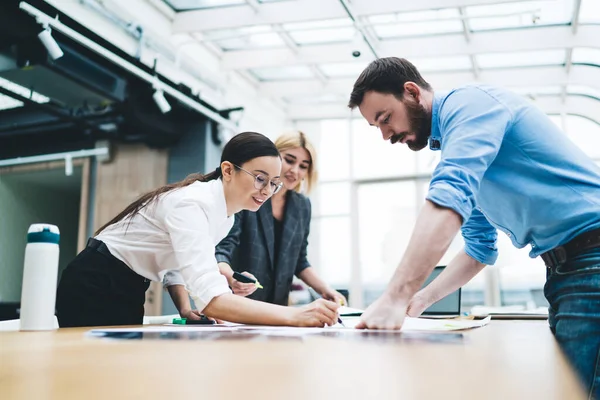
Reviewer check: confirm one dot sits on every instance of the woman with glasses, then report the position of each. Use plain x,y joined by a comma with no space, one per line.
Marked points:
271,244
176,227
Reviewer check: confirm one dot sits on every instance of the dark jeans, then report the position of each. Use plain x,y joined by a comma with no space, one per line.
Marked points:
98,289
573,291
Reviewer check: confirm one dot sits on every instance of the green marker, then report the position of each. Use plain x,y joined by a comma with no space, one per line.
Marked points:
201,321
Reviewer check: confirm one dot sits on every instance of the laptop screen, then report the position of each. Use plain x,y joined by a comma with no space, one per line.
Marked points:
449,305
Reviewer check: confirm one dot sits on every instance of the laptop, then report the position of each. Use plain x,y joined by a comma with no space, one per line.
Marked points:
449,305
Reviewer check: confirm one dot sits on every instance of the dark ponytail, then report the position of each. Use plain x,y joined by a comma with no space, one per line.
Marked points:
239,150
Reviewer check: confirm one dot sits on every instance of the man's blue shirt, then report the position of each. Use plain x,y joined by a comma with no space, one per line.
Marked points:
505,165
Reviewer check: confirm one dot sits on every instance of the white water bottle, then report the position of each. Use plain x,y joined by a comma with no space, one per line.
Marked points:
40,275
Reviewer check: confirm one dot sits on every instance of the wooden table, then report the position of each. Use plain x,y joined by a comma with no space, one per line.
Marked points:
504,360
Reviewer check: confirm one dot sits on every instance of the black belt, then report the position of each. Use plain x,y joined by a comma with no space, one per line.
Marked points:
560,254
101,248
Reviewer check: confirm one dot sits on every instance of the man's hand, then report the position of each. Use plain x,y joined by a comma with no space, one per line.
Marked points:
418,304
242,289
385,313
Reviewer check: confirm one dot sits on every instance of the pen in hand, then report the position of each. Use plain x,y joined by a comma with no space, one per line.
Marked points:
341,303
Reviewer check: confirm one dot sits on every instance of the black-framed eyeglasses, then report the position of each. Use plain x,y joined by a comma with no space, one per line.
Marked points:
261,181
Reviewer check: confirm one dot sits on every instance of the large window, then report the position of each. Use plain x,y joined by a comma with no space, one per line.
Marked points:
390,184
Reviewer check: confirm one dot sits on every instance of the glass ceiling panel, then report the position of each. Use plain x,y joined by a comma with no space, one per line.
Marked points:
521,59
316,99
343,70
258,41
519,14
320,36
537,90
431,64
282,73
441,64
259,36
420,23
418,16
418,29
584,90
185,5
236,33
322,24
589,11
586,55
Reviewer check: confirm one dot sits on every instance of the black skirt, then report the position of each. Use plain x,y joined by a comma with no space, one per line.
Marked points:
97,289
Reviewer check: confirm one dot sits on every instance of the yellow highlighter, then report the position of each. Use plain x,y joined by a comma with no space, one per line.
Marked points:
246,279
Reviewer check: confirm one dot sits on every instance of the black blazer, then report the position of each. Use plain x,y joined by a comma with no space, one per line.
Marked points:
250,246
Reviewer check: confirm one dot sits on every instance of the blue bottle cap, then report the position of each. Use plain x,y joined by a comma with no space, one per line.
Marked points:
43,233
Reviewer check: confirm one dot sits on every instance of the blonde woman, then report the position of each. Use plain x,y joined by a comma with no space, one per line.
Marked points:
271,244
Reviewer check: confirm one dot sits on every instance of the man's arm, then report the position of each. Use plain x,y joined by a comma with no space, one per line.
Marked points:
473,124
460,271
434,231
480,250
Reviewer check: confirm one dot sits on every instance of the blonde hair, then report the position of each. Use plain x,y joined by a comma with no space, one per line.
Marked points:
298,139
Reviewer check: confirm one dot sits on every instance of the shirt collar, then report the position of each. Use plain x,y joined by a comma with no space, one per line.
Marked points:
218,190
435,140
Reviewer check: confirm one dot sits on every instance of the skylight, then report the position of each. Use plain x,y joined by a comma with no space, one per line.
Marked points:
586,55
416,23
521,59
283,73
589,11
186,5
519,14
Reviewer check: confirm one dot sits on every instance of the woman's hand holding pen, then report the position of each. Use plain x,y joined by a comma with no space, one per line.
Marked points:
318,313
334,295
240,288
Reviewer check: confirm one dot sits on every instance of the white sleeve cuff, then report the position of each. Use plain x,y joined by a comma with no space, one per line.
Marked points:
172,278
211,287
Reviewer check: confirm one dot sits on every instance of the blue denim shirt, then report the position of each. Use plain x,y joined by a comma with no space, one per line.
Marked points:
505,165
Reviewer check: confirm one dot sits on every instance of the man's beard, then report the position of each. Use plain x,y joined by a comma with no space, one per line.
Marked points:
420,124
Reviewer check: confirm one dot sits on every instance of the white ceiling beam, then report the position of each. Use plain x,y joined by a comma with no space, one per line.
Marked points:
579,105
555,37
255,5
302,11
538,76
575,18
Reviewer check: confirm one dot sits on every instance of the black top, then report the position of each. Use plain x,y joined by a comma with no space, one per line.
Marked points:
274,255
277,231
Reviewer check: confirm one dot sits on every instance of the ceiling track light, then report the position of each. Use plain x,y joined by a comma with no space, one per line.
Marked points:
161,101
125,64
54,50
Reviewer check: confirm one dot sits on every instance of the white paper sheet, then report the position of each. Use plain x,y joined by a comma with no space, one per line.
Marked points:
410,324
424,324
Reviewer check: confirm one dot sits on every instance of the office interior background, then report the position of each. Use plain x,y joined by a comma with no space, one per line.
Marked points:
147,91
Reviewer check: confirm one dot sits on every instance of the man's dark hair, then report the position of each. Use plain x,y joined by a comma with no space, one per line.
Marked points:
386,75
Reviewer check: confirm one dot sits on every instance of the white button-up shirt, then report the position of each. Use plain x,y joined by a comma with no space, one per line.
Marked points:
178,231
